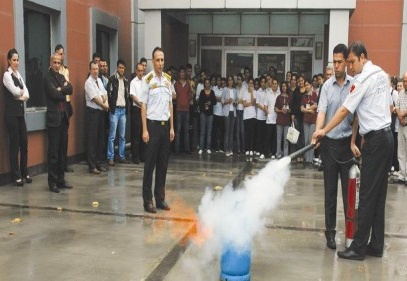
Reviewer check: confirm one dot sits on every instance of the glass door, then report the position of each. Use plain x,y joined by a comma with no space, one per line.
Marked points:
272,63
237,61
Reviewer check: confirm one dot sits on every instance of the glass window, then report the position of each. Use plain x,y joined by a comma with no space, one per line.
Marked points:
302,42
236,62
37,45
272,41
211,61
211,41
269,63
102,42
301,63
239,41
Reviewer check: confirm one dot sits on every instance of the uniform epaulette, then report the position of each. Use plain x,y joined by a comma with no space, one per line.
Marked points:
149,77
167,76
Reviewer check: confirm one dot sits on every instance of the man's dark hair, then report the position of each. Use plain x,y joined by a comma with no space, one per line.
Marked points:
341,49
181,67
143,59
120,61
189,66
92,62
139,64
58,47
156,49
96,55
358,48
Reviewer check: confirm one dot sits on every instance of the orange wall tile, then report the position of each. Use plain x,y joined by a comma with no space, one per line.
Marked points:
378,25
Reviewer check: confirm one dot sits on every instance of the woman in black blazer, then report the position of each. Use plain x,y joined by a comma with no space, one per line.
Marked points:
16,94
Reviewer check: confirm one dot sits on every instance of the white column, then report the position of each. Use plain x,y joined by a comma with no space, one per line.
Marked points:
338,29
152,32
403,54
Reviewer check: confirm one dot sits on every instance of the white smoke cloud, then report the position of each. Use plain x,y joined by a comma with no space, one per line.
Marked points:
234,217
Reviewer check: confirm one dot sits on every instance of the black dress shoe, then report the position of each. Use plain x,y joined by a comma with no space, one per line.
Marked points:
149,208
68,170
124,161
65,186
101,168
163,206
19,182
28,179
370,251
350,254
94,171
54,189
330,239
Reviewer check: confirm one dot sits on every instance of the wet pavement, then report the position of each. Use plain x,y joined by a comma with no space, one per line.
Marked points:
99,230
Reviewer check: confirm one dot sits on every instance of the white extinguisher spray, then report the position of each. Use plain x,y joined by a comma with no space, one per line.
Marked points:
353,203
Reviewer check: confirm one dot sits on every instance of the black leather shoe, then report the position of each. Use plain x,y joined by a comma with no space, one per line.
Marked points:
349,254
65,186
68,170
370,251
101,168
54,189
149,208
19,182
94,171
330,239
28,179
163,206
124,161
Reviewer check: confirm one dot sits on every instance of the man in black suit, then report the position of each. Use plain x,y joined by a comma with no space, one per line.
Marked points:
57,120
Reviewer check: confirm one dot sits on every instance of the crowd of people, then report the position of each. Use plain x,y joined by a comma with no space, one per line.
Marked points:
234,114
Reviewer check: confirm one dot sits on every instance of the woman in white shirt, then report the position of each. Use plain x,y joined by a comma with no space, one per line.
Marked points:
218,122
229,98
16,94
249,117
240,141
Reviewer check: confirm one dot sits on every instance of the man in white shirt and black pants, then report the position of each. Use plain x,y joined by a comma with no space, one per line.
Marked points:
135,114
96,105
158,131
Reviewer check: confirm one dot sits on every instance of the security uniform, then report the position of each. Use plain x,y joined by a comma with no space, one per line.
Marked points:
156,95
369,97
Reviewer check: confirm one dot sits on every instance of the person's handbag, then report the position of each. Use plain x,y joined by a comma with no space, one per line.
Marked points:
292,134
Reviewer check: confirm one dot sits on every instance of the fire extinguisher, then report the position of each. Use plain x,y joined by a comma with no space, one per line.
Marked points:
353,202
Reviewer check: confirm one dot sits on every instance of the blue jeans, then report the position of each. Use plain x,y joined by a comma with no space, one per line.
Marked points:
118,119
206,130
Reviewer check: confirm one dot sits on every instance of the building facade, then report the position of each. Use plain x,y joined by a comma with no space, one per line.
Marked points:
34,28
221,35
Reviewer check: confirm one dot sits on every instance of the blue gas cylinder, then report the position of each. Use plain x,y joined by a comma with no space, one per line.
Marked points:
235,264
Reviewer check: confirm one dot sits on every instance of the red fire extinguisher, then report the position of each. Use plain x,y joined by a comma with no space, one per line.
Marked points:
353,203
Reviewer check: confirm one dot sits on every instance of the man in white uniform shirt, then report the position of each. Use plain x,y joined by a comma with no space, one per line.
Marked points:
158,131
96,104
369,98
